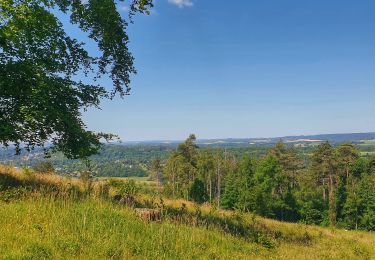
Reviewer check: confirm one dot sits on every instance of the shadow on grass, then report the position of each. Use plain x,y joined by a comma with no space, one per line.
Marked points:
13,188
236,224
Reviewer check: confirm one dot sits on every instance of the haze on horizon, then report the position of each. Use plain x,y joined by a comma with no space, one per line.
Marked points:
251,69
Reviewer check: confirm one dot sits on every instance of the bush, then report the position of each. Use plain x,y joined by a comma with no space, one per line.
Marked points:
197,191
125,187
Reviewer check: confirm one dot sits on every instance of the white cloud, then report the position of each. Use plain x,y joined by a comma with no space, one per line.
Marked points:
181,3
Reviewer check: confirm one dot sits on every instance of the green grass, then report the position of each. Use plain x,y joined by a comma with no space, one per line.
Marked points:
140,180
46,223
95,230
367,153
46,228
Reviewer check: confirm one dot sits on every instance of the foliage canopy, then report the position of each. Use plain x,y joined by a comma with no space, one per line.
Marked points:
41,97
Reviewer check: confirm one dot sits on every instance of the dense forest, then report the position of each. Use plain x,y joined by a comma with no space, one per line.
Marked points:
333,186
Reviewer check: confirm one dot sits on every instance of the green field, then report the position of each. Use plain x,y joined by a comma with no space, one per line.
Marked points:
143,180
367,142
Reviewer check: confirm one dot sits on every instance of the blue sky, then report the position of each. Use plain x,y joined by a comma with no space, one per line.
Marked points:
256,68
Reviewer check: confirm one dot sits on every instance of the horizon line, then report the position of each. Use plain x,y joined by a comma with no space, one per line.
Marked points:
238,138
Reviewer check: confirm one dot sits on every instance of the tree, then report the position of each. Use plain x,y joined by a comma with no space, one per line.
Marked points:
347,157
172,172
367,197
276,190
238,186
232,191
324,167
311,207
40,97
197,192
224,163
371,165
205,165
188,150
352,206
288,160
181,167
157,170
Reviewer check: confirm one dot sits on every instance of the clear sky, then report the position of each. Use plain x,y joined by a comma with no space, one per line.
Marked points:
254,68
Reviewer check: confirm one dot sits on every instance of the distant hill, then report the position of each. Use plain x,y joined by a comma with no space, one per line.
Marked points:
244,142
143,151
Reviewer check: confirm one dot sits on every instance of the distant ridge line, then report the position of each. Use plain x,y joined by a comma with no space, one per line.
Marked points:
341,137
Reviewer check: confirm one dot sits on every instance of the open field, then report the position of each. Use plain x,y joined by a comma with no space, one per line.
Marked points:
368,142
367,153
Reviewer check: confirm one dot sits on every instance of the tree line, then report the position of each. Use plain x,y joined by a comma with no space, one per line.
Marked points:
334,186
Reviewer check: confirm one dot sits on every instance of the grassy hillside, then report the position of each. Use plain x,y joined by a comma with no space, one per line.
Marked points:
44,216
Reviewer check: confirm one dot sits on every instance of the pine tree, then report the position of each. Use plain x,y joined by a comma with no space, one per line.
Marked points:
197,192
324,167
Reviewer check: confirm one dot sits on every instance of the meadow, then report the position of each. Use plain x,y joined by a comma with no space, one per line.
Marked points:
45,216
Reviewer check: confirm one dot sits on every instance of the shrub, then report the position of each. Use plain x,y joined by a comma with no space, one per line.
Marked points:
125,187
197,191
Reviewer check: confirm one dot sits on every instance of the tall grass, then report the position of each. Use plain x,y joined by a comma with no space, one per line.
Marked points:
47,228
49,217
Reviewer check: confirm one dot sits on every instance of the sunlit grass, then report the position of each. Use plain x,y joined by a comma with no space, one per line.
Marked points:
48,223
93,229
